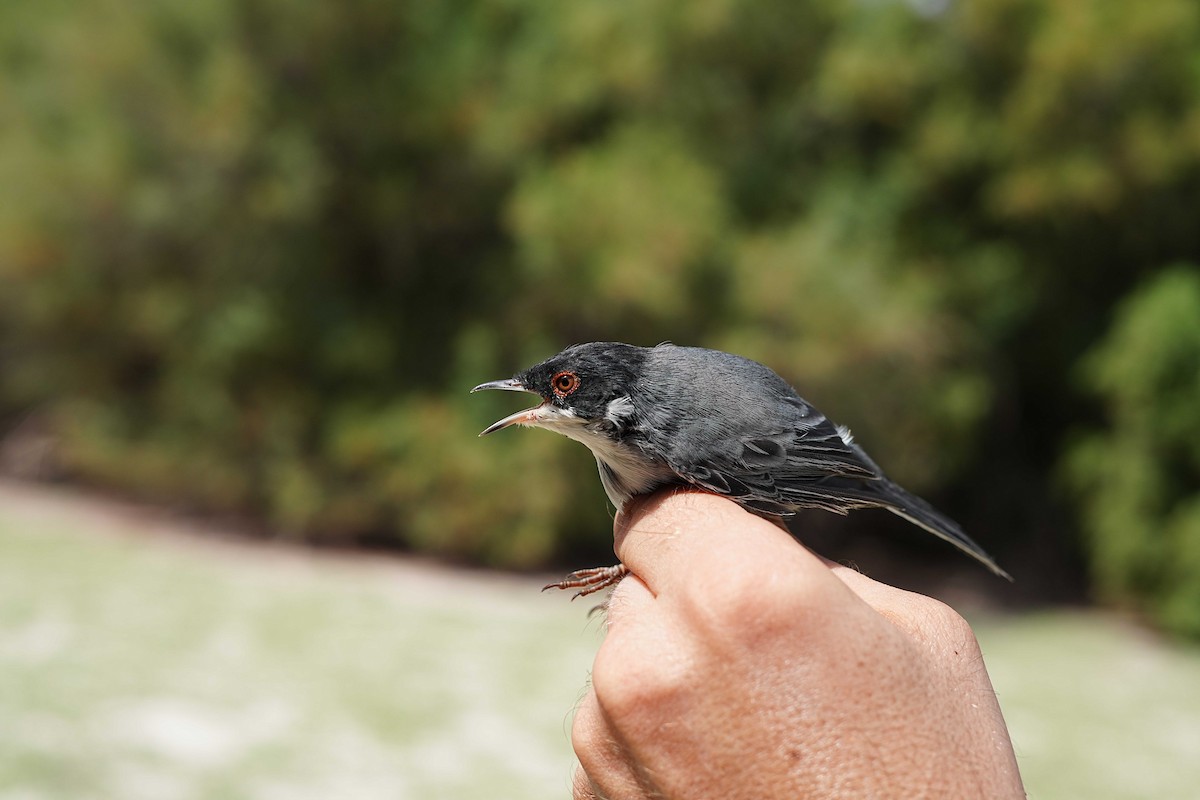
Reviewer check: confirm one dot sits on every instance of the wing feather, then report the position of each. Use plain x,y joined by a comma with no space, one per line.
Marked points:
777,472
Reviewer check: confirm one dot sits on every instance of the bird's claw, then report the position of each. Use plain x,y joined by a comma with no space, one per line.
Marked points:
590,581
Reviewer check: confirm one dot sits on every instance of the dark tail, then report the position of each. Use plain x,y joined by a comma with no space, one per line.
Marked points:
920,513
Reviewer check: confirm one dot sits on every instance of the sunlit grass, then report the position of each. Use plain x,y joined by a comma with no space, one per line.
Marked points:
1097,708
136,662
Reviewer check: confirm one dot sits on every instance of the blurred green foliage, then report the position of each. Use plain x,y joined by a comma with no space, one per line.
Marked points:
1139,479
253,253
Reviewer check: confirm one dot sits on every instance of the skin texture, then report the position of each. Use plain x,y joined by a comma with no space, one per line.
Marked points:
738,664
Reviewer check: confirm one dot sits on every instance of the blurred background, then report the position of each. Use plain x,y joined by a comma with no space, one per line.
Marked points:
253,254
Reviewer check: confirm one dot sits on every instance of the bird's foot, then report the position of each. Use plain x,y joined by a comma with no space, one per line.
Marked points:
590,581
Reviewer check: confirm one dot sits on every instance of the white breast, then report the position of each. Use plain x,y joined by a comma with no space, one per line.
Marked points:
625,474
623,470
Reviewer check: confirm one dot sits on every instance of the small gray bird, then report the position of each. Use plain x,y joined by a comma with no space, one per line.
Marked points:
686,416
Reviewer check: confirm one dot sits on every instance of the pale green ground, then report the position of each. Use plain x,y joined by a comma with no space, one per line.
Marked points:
137,661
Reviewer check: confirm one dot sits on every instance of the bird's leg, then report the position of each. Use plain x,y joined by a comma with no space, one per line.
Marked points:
589,581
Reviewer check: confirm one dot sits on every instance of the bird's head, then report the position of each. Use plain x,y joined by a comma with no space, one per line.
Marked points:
585,390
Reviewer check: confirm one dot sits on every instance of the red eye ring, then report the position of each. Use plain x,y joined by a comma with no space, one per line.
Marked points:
563,383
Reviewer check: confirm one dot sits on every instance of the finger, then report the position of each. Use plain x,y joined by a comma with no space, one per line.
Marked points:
631,600
870,591
582,787
919,616
603,759
680,537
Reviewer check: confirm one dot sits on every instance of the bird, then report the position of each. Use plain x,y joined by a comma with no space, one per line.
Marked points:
670,415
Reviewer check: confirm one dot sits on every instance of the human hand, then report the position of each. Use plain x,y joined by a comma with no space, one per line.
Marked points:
738,664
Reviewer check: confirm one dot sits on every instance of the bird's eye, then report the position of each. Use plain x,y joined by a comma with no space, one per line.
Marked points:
564,383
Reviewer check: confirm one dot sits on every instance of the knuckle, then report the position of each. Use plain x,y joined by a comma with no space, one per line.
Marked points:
750,604
950,632
632,680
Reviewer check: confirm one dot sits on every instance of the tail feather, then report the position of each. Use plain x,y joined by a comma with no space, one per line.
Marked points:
917,511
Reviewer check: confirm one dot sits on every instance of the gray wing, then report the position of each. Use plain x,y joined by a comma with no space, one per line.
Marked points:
801,461
813,464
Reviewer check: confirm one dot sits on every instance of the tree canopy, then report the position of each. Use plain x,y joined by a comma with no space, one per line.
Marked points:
253,253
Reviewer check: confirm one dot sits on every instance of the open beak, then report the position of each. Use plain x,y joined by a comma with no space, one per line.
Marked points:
527,417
